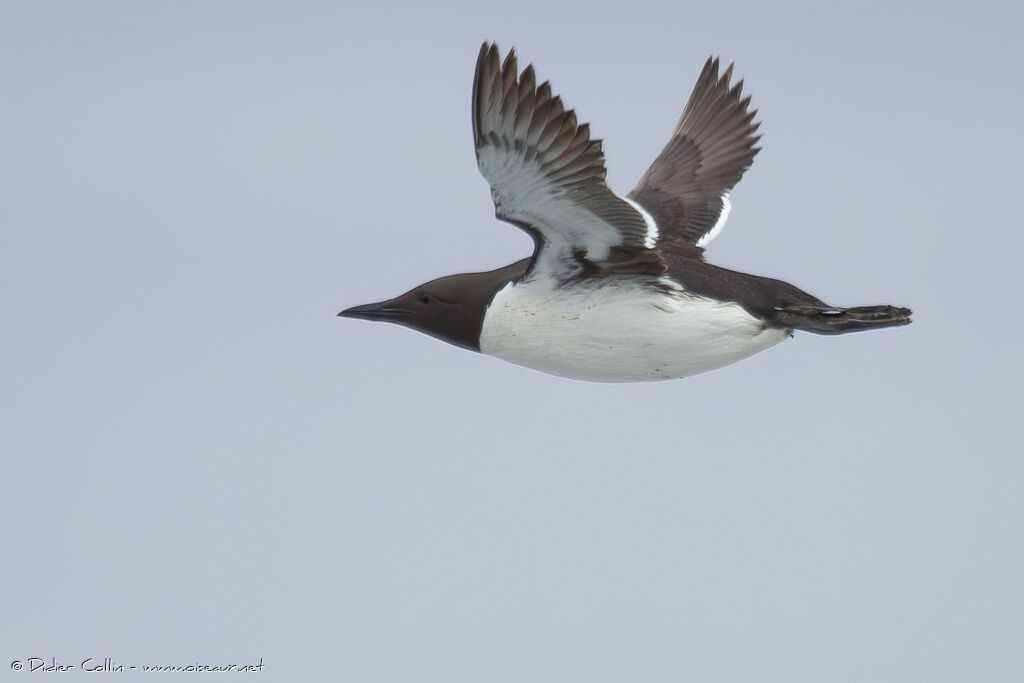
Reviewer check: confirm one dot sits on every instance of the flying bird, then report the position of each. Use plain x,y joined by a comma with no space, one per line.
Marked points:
617,288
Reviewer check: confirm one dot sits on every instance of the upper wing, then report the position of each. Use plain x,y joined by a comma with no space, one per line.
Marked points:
547,176
687,187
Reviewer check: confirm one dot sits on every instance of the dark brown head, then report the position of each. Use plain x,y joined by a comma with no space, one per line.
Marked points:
450,308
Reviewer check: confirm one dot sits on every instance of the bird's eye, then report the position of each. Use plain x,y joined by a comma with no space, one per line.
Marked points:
425,299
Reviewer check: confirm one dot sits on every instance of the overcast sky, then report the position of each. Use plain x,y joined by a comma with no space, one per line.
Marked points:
201,464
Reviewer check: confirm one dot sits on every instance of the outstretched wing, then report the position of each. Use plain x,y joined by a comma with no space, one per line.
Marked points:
687,187
547,176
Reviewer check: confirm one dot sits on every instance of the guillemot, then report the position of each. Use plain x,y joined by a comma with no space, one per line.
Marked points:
617,288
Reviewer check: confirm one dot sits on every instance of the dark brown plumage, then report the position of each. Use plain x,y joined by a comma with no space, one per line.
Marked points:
598,254
710,149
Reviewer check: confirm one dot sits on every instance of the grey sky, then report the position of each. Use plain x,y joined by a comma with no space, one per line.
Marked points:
201,464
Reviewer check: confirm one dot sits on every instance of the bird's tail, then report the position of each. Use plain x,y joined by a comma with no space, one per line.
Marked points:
841,320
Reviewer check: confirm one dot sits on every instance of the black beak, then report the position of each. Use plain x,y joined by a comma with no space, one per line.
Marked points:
378,311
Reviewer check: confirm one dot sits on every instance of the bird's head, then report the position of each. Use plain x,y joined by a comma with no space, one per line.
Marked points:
450,308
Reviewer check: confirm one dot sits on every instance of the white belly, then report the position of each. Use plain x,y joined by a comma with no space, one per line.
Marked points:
619,332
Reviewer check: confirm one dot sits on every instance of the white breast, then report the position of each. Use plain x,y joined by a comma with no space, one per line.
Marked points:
618,331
